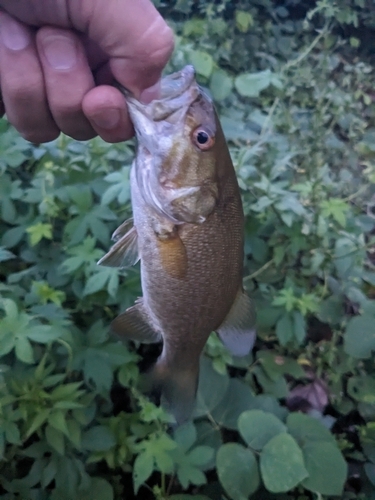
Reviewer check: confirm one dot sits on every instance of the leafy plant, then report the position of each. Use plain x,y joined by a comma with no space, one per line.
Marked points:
293,84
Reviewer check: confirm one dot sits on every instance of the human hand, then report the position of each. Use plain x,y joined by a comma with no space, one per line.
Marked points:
58,59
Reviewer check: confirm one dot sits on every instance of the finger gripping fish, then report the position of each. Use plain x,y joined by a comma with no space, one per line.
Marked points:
187,230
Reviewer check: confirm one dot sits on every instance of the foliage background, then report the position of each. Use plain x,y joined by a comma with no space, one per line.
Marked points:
294,84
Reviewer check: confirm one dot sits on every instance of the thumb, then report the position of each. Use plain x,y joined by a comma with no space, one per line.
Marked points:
133,35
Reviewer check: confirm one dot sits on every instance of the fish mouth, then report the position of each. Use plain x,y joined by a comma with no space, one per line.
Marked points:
177,91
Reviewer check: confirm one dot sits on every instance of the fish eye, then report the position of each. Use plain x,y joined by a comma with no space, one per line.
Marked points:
203,139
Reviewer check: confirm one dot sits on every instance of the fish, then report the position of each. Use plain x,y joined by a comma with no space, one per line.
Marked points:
187,231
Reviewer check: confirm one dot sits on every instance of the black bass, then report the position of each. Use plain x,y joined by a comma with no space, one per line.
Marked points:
188,232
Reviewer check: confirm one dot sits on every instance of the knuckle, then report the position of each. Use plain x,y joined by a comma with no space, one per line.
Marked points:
158,43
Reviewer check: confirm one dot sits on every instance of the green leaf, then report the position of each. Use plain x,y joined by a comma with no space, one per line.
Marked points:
200,455
284,329
99,489
211,388
98,438
220,85
359,338
56,439
362,388
39,231
243,20
5,254
56,420
142,469
237,469
306,429
24,350
237,399
251,84
202,62
258,427
326,467
282,465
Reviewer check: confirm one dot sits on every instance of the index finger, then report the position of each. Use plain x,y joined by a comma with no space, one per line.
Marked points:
135,37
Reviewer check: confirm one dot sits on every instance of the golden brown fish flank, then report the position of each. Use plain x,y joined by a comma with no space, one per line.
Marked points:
188,222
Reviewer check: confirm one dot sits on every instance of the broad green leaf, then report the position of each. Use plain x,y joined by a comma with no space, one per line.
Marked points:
258,427
185,435
282,465
285,329
326,467
237,399
99,489
306,429
362,388
24,350
237,469
200,456
98,438
359,338
220,85
251,84
202,62
211,389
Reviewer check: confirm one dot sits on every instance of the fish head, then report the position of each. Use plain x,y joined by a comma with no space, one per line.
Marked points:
177,152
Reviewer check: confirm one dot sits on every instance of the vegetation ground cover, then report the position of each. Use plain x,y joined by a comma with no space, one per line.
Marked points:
294,85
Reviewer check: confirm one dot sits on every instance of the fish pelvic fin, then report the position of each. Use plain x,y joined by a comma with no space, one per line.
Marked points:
135,324
124,253
237,332
177,388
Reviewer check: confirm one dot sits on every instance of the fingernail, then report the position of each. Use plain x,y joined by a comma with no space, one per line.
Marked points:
151,93
60,51
107,119
14,35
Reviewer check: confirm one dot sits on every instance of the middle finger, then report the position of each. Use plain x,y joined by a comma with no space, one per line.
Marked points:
67,77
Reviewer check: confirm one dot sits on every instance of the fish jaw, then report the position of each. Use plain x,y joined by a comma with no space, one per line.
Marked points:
175,177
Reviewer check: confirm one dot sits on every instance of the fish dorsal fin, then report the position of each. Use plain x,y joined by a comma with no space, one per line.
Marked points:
124,253
135,324
237,331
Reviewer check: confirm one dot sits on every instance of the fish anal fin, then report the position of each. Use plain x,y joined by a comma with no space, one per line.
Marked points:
134,324
237,332
124,253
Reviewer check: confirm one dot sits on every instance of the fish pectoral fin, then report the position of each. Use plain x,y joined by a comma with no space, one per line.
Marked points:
237,331
125,227
134,324
124,253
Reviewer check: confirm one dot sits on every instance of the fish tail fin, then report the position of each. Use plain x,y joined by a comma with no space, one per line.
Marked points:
177,387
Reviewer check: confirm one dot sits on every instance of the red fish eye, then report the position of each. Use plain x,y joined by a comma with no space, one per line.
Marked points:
202,139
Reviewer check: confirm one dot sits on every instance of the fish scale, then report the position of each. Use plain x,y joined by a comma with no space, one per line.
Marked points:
188,233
